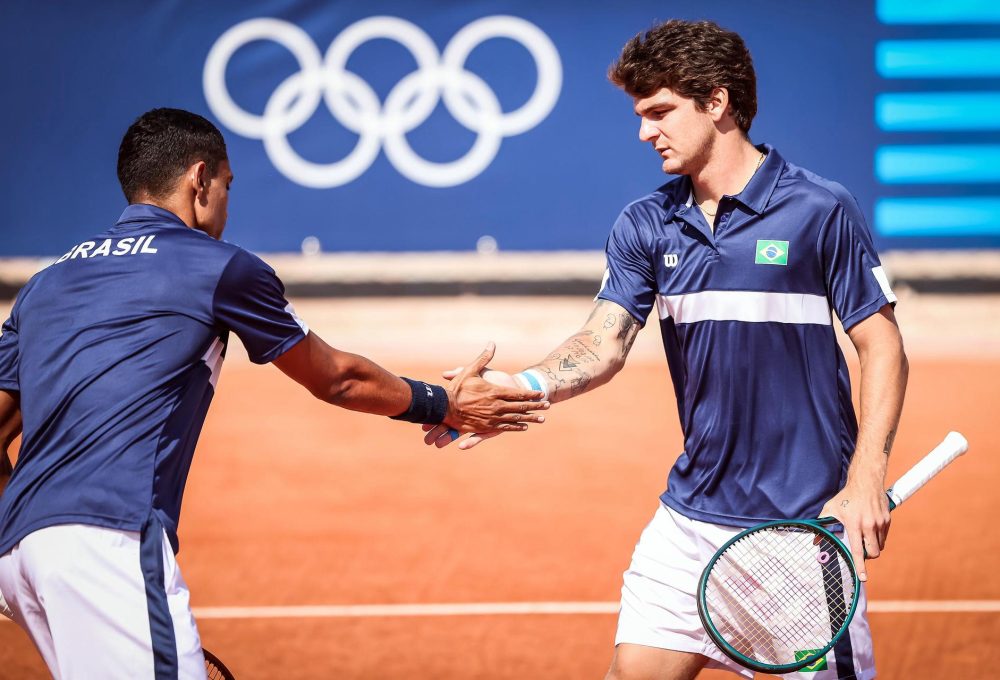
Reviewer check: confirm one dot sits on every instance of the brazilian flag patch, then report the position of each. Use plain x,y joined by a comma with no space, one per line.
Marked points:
817,665
771,252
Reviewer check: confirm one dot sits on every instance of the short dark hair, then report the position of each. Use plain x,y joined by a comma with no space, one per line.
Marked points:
160,145
692,58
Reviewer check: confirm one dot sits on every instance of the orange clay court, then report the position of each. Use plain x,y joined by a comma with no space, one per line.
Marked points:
292,503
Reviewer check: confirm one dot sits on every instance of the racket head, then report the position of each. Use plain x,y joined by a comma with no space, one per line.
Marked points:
776,597
215,669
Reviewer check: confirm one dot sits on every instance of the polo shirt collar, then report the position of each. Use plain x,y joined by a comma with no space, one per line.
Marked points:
144,212
757,192
677,198
755,195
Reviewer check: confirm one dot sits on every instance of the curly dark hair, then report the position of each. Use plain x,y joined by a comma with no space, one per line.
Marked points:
160,145
692,58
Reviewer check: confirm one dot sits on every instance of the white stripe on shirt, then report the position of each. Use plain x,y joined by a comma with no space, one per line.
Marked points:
213,359
883,282
745,305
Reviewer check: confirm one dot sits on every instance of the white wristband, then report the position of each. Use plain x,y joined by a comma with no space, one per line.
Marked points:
533,380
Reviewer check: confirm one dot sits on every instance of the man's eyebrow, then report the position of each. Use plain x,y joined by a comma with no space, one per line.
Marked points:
650,107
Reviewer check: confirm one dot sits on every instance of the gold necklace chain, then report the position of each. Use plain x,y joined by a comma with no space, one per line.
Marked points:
760,162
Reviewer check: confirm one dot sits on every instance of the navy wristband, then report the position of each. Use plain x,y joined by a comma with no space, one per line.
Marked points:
428,404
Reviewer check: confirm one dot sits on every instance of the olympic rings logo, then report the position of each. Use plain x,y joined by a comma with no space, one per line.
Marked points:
357,107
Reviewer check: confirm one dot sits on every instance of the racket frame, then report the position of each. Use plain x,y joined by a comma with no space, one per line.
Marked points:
814,526
217,663
953,446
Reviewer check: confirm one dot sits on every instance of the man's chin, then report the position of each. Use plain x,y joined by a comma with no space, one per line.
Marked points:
672,167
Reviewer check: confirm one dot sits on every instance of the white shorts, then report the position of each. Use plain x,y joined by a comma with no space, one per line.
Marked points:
103,603
659,607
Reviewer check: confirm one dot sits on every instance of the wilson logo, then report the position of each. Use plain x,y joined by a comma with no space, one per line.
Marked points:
671,260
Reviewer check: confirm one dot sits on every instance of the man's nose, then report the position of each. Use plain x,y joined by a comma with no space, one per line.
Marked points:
647,131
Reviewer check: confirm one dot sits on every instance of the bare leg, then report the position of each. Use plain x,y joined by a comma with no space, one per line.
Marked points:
636,662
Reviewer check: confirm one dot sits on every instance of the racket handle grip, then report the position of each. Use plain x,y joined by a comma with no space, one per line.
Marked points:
953,446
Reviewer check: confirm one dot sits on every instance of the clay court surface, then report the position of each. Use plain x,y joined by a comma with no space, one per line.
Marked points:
294,503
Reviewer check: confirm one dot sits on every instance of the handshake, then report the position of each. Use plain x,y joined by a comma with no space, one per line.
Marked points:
487,402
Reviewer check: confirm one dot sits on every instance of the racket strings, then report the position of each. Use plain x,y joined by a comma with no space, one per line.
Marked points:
213,672
779,591
215,669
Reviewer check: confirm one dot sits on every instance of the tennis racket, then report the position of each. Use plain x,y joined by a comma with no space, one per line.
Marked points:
778,596
215,669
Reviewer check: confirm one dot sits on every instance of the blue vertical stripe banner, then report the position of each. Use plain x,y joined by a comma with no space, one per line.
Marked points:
938,11
938,217
938,164
938,58
937,111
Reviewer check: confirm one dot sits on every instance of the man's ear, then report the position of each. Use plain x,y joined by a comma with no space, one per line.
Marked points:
197,177
718,103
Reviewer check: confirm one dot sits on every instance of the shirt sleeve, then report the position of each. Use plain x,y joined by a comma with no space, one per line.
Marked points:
856,284
629,280
250,301
9,353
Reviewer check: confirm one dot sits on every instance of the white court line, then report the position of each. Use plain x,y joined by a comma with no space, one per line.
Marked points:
521,608
391,610
933,606
527,608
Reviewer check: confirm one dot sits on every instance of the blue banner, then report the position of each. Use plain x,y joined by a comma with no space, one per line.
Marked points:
418,126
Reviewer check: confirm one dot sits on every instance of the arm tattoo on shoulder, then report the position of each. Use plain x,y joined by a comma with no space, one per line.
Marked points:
625,327
627,331
888,442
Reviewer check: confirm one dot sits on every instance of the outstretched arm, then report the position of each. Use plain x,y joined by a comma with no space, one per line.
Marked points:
10,427
587,359
590,357
862,506
353,382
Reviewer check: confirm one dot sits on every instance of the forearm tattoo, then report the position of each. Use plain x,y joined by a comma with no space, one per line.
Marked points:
585,356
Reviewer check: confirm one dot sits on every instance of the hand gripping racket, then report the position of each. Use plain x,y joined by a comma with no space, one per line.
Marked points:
215,669
778,596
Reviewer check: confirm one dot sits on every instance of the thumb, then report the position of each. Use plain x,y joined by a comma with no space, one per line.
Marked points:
452,372
485,357
477,438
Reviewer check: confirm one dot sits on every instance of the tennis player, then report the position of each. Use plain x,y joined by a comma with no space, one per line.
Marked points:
743,259
111,356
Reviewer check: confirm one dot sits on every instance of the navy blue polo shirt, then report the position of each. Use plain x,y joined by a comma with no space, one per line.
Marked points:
745,312
115,350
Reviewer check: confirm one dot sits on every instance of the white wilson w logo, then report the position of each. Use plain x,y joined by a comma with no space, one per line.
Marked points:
671,259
